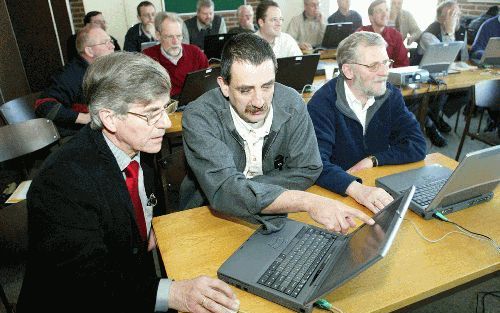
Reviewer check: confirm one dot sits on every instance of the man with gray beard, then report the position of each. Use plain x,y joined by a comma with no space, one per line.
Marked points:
361,121
177,58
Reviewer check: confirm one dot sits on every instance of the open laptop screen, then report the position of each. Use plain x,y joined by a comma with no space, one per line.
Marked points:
439,56
366,245
335,33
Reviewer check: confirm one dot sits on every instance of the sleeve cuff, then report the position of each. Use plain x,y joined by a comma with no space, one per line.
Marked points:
162,295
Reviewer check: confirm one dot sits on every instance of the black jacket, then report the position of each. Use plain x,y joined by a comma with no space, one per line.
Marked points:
85,251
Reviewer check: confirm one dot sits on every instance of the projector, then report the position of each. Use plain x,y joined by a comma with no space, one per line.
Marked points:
403,76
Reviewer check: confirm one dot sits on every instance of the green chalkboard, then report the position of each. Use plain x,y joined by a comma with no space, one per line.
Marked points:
189,6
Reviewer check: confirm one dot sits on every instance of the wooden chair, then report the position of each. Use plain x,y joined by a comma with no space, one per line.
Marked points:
485,94
19,110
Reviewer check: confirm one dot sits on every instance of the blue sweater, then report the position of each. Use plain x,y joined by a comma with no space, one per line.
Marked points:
393,134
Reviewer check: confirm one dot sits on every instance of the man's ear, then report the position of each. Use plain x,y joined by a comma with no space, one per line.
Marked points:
347,71
260,22
223,86
89,52
108,119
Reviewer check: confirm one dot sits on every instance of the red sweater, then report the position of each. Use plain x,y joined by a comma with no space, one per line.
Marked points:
396,50
192,59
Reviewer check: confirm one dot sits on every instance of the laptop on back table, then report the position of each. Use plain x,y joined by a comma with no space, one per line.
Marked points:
438,57
440,189
213,45
196,84
297,71
334,34
299,264
491,54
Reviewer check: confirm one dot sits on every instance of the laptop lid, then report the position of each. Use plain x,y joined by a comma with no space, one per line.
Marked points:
197,83
335,33
213,45
472,182
149,44
491,55
297,71
439,56
352,253
365,246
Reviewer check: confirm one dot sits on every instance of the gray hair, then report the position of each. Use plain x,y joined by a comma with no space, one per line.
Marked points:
372,5
244,6
204,3
83,38
442,6
162,16
348,49
117,80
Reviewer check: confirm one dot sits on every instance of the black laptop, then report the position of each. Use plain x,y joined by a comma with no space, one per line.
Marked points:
213,45
299,264
196,84
334,34
297,71
440,189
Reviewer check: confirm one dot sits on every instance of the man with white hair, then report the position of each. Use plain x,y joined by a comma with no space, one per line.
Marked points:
63,101
92,203
270,20
308,28
361,121
176,57
204,23
245,20
345,15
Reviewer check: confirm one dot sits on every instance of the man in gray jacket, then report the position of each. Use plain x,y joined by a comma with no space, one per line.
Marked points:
251,147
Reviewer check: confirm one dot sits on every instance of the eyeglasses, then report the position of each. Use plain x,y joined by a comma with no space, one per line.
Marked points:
171,37
107,42
277,19
154,117
376,66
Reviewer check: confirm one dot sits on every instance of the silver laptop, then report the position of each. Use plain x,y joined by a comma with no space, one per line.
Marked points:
297,71
300,263
441,189
438,57
148,44
491,54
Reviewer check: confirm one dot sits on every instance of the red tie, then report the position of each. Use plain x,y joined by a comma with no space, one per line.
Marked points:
132,181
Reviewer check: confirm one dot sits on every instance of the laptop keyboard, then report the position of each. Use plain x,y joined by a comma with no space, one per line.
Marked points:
425,193
293,267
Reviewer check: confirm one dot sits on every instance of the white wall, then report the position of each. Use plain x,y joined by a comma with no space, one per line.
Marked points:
120,15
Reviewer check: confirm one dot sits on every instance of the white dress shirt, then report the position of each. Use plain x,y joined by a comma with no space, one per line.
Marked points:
357,107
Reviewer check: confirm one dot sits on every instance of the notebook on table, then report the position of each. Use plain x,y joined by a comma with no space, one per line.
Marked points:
334,34
213,45
440,189
148,44
299,264
196,84
491,54
297,71
439,57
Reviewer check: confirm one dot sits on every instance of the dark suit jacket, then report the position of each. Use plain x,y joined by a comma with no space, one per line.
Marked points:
85,251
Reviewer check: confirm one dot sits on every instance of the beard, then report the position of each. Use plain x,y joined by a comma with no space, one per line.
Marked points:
172,51
367,89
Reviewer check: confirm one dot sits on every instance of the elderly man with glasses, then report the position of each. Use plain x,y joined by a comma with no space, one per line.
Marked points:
62,101
361,121
92,203
176,57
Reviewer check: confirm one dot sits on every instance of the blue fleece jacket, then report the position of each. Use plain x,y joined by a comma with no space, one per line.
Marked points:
393,134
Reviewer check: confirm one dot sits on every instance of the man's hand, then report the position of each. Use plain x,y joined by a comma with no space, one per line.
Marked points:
365,163
451,20
374,198
334,215
83,118
202,294
305,46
